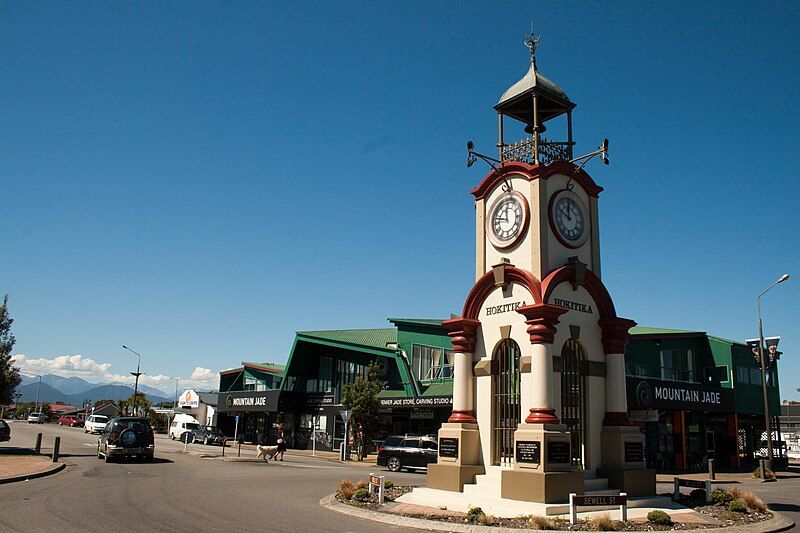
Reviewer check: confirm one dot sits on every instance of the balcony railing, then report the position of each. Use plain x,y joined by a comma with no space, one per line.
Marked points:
549,151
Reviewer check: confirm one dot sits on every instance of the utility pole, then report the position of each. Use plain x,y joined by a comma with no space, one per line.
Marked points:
38,391
137,374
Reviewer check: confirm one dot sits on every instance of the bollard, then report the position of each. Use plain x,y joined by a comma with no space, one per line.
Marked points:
762,465
224,443
240,449
676,491
711,470
38,447
56,447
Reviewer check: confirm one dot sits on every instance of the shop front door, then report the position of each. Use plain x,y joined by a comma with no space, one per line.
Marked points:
506,402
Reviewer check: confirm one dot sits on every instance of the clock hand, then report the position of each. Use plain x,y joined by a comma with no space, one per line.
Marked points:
566,213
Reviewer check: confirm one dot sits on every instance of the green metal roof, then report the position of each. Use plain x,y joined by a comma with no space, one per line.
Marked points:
373,338
392,394
266,367
445,388
644,330
420,321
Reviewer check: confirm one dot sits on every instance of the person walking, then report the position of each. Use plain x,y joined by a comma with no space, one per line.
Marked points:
281,448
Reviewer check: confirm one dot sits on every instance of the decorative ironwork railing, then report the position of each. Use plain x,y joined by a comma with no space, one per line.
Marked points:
549,151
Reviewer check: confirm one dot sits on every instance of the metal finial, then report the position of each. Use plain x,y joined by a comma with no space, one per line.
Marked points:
532,42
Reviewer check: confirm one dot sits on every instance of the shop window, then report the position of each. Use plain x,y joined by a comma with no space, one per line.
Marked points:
755,376
427,362
715,374
677,365
742,374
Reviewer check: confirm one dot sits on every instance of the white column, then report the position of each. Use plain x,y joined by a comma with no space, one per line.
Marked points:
616,398
463,395
541,376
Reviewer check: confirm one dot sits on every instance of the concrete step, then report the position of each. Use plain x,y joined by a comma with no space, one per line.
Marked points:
597,483
494,505
602,492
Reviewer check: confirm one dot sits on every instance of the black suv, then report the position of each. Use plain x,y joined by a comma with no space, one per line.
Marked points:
408,452
126,437
206,435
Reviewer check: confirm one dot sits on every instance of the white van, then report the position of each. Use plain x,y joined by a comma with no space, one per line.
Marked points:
181,424
95,424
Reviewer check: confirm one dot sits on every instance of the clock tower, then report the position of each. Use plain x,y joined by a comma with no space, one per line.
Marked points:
539,397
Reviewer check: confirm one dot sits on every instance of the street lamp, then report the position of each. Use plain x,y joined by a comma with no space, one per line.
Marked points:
137,374
764,368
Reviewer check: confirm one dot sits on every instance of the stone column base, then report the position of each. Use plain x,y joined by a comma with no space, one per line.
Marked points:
451,476
540,487
550,442
640,482
622,448
468,445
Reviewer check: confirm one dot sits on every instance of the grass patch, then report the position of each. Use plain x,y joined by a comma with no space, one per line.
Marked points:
603,522
345,489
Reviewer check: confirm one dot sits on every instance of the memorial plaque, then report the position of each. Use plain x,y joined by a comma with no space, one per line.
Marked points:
558,452
448,447
634,452
529,452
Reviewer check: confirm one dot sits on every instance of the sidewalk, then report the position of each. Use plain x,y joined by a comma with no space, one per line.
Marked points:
725,477
19,464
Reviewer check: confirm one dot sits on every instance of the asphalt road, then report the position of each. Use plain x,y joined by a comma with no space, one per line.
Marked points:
176,492
179,492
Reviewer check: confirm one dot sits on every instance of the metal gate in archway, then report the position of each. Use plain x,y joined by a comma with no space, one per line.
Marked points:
506,402
573,397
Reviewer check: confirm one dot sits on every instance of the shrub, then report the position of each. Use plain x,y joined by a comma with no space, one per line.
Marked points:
698,495
721,497
735,492
602,522
486,520
362,484
541,522
659,517
474,514
770,473
737,506
361,494
752,502
387,484
345,489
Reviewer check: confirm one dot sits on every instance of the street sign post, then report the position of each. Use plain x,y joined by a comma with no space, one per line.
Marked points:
236,429
345,414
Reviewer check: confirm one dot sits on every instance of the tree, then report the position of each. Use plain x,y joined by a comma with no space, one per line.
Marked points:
361,398
142,404
9,374
99,403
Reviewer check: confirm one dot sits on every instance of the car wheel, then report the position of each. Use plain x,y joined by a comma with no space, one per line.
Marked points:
106,457
99,455
172,436
394,464
205,441
148,458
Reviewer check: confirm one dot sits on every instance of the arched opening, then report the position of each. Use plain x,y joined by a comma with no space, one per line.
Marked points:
507,411
573,397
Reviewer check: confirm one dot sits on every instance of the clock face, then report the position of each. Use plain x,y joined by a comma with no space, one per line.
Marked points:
508,218
569,219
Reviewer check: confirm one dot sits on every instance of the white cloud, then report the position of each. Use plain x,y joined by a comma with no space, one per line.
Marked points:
94,372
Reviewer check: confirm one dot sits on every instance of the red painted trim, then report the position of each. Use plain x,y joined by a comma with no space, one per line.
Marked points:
541,320
591,283
485,285
542,415
615,333
462,417
462,333
533,172
616,418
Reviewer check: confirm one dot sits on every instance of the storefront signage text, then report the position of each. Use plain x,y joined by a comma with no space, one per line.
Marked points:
248,402
505,308
415,402
574,306
683,395
652,393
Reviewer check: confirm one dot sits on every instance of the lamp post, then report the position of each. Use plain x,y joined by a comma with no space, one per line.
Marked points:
764,369
137,374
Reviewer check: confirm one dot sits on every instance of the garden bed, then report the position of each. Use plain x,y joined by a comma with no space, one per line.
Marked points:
728,508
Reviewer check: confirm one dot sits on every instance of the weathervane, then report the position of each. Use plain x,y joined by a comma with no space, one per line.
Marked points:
532,42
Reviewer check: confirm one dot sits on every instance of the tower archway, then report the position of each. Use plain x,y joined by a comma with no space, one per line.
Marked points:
506,404
573,398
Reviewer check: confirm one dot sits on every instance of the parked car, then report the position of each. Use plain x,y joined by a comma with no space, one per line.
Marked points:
5,431
71,421
95,424
37,418
180,426
207,435
409,452
127,436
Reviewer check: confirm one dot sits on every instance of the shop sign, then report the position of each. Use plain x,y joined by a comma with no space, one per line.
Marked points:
448,447
318,401
189,398
663,394
422,415
248,401
417,402
643,415
529,452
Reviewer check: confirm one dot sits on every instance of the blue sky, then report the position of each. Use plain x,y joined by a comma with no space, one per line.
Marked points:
201,180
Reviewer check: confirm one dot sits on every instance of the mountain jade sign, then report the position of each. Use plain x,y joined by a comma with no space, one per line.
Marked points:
663,394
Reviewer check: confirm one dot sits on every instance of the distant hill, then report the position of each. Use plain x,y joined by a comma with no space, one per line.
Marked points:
76,385
100,392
